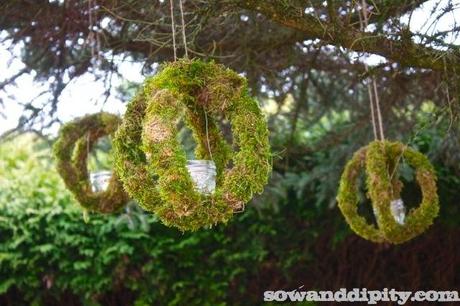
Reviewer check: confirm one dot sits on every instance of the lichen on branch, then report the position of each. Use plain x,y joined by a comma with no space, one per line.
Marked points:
401,49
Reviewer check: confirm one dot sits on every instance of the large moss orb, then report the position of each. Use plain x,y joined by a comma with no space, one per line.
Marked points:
152,164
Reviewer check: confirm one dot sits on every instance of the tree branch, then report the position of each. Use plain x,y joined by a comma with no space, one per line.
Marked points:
386,9
402,50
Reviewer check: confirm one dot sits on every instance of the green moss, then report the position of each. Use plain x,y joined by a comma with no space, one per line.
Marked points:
348,198
71,153
146,144
381,159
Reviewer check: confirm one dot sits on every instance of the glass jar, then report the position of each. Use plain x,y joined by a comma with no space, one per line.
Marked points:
203,173
398,210
100,180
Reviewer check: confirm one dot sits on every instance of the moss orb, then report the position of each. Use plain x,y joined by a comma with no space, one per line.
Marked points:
152,164
75,140
380,159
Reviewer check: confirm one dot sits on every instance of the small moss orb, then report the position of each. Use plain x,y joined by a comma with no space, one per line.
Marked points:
380,160
75,140
152,164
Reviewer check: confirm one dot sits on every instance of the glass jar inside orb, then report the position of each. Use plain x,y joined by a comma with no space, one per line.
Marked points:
203,173
398,210
100,180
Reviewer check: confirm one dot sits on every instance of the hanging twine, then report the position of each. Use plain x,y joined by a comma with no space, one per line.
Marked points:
184,37
379,114
376,115
93,38
371,102
173,28
207,134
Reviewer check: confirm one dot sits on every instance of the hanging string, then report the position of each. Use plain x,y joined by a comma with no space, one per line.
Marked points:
369,89
93,38
374,83
379,114
173,28
377,123
207,133
371,102
184,37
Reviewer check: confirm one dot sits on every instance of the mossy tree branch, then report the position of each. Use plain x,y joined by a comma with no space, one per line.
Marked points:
402,50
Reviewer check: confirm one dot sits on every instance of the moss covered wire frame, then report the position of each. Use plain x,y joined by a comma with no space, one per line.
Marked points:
75,140
152,163
380,159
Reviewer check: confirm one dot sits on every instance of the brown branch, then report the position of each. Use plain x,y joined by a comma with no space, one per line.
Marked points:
386,9
403,50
